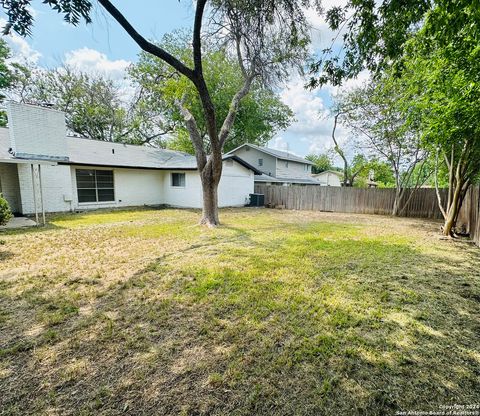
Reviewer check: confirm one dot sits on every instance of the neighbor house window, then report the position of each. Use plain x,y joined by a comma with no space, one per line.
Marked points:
260,162
95,185
178,180
286,164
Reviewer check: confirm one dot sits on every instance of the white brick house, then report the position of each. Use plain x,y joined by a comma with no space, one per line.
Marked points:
277,167
43,170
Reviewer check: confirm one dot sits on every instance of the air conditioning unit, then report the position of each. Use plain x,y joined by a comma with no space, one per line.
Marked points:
257,200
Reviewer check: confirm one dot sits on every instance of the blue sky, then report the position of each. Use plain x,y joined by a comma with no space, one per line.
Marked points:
104,47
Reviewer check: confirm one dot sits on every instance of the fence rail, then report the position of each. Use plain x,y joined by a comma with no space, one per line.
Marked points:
422,204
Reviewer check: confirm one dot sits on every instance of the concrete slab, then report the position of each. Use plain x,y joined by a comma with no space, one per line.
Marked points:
18,222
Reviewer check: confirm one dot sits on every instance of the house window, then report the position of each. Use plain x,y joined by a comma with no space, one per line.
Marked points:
95,185
178,180
260,162
286,164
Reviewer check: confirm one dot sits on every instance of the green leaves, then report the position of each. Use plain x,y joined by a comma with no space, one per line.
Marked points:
260,115
20,17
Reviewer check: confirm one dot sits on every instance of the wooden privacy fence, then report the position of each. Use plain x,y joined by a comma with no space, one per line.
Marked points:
422,204
470,214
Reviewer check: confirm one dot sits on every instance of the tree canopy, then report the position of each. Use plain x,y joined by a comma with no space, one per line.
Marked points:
10,75
321,162
260,114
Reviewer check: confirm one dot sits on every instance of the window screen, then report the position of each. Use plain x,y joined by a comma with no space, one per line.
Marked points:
178,180
95,185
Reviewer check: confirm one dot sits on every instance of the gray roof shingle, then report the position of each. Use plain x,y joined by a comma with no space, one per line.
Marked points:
280,154
95,152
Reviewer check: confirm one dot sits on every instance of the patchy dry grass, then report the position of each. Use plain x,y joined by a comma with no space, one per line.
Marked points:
275,312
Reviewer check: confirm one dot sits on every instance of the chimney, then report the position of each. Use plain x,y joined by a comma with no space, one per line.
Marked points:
37,132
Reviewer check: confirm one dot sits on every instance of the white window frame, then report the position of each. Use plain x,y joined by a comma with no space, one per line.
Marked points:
184,180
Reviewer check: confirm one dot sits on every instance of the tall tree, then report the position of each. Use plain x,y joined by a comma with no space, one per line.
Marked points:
267,37
260,114
441,68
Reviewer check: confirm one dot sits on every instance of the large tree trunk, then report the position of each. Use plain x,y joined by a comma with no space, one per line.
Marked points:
210,178
210,202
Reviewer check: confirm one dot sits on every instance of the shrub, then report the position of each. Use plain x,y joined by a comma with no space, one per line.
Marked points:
5,213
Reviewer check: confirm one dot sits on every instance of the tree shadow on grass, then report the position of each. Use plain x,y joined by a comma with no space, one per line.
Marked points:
297,325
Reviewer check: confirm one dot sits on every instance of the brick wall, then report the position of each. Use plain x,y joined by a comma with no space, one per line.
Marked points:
36,130
56,185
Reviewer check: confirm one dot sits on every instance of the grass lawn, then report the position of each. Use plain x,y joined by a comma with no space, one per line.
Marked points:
273,313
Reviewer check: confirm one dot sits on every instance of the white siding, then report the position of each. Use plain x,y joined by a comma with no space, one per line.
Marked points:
189,196
9,185
293,170
252,157
133,187
328,179
236,185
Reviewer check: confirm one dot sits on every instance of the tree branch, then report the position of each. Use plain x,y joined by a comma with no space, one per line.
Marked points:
340,152
197,44
194,133
232,112
143,43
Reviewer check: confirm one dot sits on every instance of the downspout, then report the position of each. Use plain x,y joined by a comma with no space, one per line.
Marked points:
34,194
41,194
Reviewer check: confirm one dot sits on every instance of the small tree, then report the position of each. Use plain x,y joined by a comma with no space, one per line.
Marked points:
352,168
5,213
374,115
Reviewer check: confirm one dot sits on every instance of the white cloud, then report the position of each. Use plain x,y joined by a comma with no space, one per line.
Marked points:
321,35
94,62
21,50
312,127
278,143
306,105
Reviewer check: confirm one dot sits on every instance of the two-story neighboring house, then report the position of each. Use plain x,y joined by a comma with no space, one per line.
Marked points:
278,167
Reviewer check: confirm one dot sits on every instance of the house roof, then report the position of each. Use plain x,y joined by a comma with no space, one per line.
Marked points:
83,151
267,178
339,174
279,154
